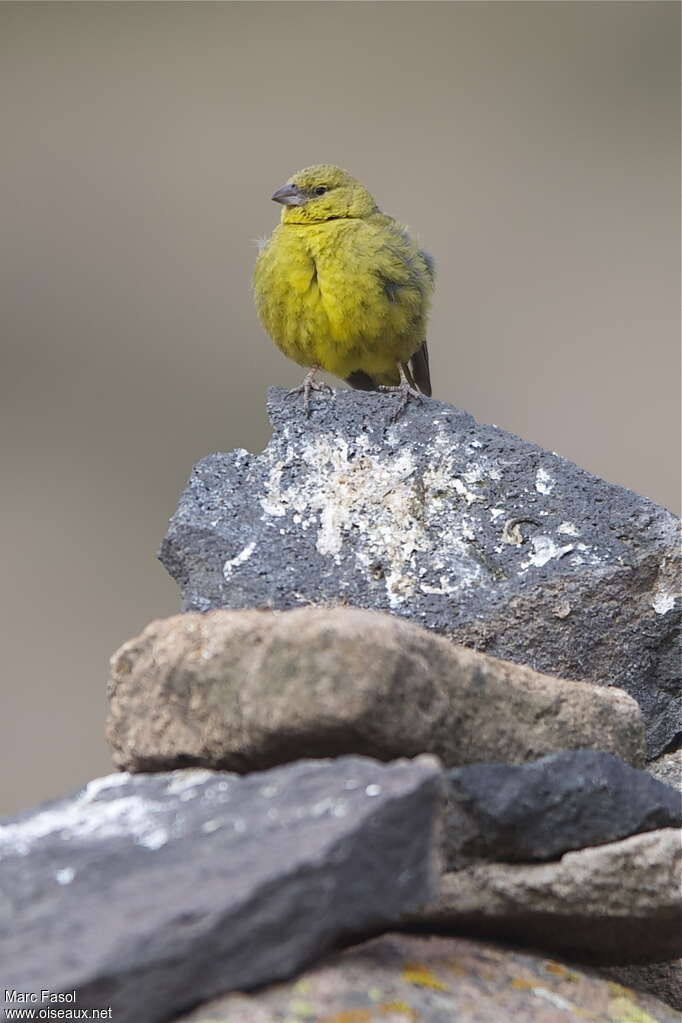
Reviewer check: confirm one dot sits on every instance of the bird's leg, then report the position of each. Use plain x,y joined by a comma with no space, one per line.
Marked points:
309,384
405,388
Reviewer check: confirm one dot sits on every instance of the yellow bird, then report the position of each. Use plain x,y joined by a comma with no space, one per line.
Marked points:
342,287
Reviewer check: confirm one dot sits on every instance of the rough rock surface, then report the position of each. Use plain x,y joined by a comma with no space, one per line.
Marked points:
668,769
246,690
536,811
399,978
149,894
664,980
616,903
463,528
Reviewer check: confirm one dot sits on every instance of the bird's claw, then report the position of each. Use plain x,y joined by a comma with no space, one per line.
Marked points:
406,392
309,384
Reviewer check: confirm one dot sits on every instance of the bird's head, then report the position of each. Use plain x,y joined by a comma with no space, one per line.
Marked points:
323,192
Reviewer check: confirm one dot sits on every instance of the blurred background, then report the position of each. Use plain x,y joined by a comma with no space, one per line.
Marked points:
534,149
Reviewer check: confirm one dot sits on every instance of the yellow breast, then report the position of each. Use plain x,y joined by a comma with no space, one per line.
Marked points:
344,295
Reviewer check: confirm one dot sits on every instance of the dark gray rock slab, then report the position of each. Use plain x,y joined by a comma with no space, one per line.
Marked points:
461,527
150,893
537,811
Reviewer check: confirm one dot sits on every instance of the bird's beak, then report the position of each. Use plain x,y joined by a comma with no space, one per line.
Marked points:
288,195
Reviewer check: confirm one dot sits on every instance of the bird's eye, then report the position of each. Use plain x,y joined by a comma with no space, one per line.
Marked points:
320,190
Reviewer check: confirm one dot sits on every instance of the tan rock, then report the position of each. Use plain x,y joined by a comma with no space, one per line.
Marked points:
399,978
615,903
245,690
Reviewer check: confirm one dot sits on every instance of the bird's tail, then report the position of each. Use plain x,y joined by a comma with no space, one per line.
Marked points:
418,368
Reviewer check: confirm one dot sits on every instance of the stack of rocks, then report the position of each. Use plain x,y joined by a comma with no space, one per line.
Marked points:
412,739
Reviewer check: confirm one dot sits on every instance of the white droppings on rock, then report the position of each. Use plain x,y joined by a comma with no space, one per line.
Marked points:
544,550
556,1000
663,601
330,536
88,817
183,782
394,512
325,806
352,486
373,790
65,875
544,483
272,503
586,555
468,495
208,827
154,839
399,588
239,559
568,528
442,589
511,534
108,781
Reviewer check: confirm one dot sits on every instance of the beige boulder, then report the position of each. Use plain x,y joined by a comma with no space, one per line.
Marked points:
246,690
615,903
398,978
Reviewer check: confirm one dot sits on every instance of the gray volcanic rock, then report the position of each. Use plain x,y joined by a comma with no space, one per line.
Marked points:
398,978
463,528
615,903
668,769
149,894
245,690
563,801
664,980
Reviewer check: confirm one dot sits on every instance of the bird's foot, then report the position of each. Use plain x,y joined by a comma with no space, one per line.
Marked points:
309,384
406,392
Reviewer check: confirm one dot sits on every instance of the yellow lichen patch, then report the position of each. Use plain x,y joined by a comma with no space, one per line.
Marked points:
348,1016
415,973
617,990
556,968
624,1010
299,1007
399,1008
521,984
